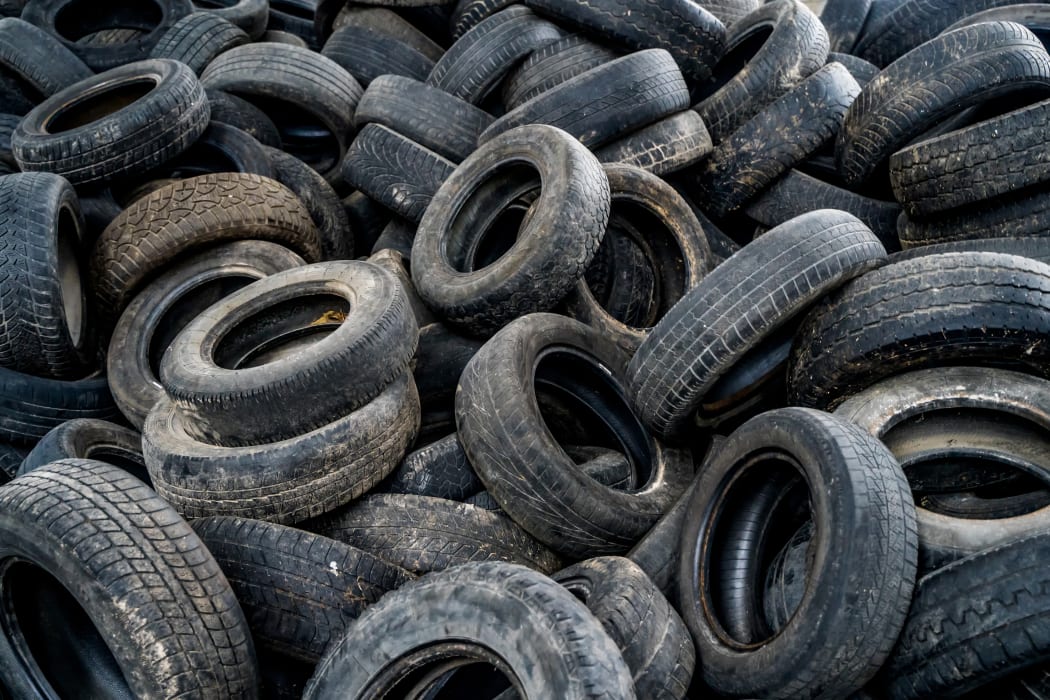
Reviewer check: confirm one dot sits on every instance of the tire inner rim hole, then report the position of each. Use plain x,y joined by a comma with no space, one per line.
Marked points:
185,306
303,134
121,458
492,219
974,462
446,671
81,18
735,60
98,104
581,403
753,521
281,330
55,640
69,279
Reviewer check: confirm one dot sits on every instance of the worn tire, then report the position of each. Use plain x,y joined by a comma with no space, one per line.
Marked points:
37,59
844,21
249,15
89,438
31,406
1023,214
669,145
367,54
440,470
320,199
552,65
242,114
387,22
197,39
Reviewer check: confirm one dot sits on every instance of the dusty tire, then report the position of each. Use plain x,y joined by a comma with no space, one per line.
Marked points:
552,65
249,15
197,39
367,54
31,406
243,115
320,199
669,145
37,59
87,438
844,21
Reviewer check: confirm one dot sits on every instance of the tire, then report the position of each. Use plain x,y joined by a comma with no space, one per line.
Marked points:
1034,247
36,59
552,65
325,207
482,57
859,588
440,360
284,482
277,36
541,635
197,39
367,219
729,12
912,23
396,237
367,54
86,149
225,207
692,35
387,22
1033,16
932,311
31,406
299,591
295,87
439,470
1023,214
844,20
395,263
737,306
163,308
651,636
967,67
968,398
955,600
72,24
570,219
862,71
432,118
423,534
227,373
971,165
606,102
88,438
768,53
794,193
249,15
509,442
47,331
395,171
672,248
243,115
60,526
669,145
749,160
469,13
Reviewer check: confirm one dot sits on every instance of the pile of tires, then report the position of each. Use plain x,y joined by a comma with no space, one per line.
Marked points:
620,349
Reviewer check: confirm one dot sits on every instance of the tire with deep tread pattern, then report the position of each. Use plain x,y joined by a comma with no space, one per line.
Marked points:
367,54
669,145
1035,247
37,59
440,469
844,20
71,520
931,311
468,13
552,65
31,406
197,39
1016,215
249,15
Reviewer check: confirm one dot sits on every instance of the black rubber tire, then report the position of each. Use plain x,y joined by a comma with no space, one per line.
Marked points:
750,159
367,219
539,635
423,534
42,64
692,35
606,102
61,592
118,143
857,594
10,461
729,12
669,145
320,199
242,114
482,57
277,36
88,438
388,22
795,192
768,53
209,371
955,601
912,23
72,23
569,221
1018,437
163,308
367,54
431,117
737,306
295,17
294,86
670,243
980,162
862,71
844,20
47,328
552,65
439,470
397,264
651,636
31,406
468,13
1021,214
197,39
284,482
1035,247
225,207
961,69
931,311
395,171
249,15
510,444
440,360
299,591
